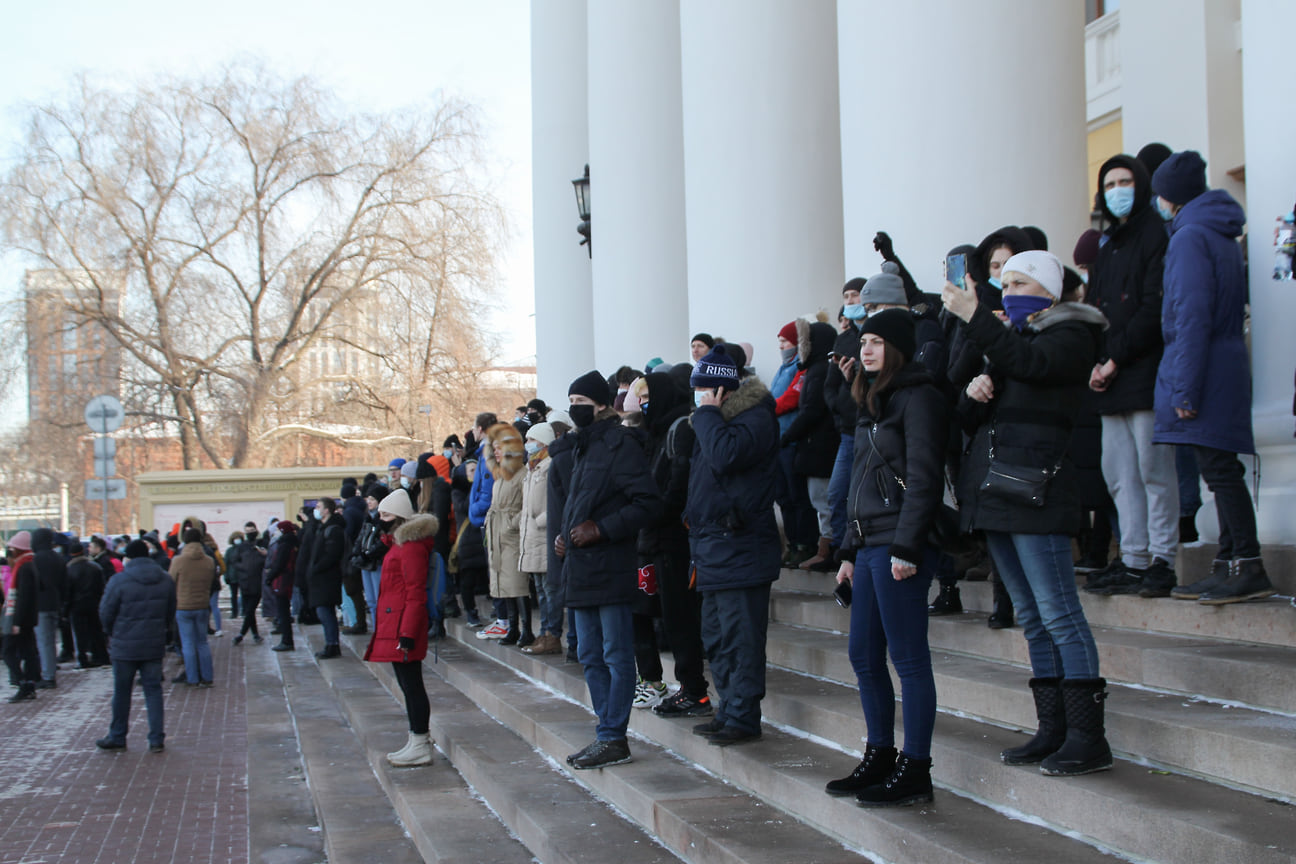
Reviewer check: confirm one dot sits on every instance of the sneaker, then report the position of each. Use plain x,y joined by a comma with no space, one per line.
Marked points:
282,646
649,694
709,728
218,633
106,743
602,754
732,735
498,630
472,619
46,684
205,684
257,640
157,748
1159,580
683,705
1088,565
238,640
571,655
1115,575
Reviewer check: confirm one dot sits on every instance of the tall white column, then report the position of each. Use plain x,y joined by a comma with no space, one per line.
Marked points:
959,118
637,183
559,151
1267,26
762,166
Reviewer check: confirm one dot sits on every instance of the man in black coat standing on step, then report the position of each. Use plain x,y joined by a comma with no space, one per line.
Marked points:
611,496
733,536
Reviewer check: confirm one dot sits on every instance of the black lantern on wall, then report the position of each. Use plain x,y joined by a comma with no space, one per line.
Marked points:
581,185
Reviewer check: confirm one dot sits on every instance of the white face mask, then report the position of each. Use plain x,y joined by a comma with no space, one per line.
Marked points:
405,482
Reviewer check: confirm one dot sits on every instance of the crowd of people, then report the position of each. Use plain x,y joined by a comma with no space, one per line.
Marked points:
1007,426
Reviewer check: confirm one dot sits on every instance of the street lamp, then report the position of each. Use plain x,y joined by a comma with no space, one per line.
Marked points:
581,184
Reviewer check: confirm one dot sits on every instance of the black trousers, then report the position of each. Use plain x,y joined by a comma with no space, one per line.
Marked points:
234,600
21,656
647,657
90,640
681,609
1225,476
249,614
284,612
410,678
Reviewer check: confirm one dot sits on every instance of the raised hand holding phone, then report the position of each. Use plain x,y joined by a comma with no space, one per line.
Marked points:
960,300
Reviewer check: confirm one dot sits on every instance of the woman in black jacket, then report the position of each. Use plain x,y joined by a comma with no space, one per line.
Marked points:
896,488
1020,416
325,576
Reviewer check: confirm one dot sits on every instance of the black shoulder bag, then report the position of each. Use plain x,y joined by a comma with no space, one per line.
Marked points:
1019,484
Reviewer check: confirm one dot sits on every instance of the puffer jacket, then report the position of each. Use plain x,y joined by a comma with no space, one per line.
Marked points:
136,608
504,520
402,593
905,443
85,585
733,535
51,572
280,567
535,521
325,575
193,571
610,486
1040,379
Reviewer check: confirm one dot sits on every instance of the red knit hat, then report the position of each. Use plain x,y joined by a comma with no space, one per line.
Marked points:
789,332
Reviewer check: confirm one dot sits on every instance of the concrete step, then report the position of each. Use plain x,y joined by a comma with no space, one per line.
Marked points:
1241,747
503,797
1178,818
1254,675
357,819
786,769
1271,621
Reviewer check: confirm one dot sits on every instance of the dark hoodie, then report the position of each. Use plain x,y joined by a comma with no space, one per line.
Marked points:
1125,285
51,572
813,431
668,407
965,361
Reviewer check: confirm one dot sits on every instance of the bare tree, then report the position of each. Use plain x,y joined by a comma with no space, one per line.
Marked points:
241,218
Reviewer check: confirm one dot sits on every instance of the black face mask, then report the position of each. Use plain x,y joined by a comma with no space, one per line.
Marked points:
252,535
581,415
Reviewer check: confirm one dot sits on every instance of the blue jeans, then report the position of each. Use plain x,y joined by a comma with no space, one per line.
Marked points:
328,617
370,580
606,645
549,593
348,611
890,616
192,624
1039,574
215,610
839,488
47,628
150,673
734,623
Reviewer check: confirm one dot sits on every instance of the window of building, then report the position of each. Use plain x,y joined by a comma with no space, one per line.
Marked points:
1095,9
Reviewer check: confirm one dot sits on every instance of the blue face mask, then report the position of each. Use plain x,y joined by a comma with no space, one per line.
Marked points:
1019,307
643,406
1165,212
855,311
1120,200
996,283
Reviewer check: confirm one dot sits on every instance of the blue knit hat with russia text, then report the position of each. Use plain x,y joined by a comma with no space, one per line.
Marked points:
716,369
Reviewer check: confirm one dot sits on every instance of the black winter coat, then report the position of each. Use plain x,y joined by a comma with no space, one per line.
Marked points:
1125,285
472,544
905,443
610,485
280,565
247,567
733,535
837,390
325,576
85,585
305,549
51,572
439,506
814,429
136,609
670,469
1040,379
562,454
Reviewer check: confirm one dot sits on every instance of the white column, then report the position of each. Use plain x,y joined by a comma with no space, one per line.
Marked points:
959,118
1267,26
1182,81
637,183
762,167
559,151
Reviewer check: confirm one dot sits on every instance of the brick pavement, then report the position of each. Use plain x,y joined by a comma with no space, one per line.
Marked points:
63,800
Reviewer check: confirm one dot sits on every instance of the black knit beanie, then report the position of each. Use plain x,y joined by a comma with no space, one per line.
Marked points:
593,386
896,327
1181,178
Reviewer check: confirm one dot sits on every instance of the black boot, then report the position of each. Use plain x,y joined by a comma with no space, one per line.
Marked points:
26,691
526,637
1002,614
1052,725
947,602
1248,581
1219,574
874,768
1188,529
1085,748
909,783
513,634
329,652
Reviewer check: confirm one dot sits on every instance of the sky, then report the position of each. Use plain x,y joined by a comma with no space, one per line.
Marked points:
379,56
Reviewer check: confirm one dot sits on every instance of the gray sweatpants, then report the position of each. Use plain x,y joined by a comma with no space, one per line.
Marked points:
1142,480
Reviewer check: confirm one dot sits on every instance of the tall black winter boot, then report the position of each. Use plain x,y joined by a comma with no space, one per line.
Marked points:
1002,614
909,783
1085,749
525,637
1052,725
514,634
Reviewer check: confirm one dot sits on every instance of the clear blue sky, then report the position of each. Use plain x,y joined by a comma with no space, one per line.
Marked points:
377,56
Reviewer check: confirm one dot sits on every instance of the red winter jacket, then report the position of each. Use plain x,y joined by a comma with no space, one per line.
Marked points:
402,594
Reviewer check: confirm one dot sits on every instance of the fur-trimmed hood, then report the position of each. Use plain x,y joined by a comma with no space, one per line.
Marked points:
418,527
1060,313
748,395
510,442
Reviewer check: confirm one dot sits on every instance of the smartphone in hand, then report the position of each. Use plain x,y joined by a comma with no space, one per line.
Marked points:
842,594
956,270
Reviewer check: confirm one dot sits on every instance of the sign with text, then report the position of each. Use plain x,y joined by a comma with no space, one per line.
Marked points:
100,489
40,506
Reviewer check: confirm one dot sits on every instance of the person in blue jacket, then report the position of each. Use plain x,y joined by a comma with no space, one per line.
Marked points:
1203,387
733,536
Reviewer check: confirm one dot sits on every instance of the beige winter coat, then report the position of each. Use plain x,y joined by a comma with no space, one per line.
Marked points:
503,521
535,499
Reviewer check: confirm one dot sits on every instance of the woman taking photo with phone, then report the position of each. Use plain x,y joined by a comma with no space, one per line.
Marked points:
895,490
1017,485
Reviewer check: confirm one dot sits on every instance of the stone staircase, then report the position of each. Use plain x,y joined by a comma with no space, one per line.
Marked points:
1202,717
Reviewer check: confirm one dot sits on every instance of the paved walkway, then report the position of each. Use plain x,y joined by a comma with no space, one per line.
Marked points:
64,800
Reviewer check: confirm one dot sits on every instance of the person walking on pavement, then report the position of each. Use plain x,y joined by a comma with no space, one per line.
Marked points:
193,572
135,610
51,596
